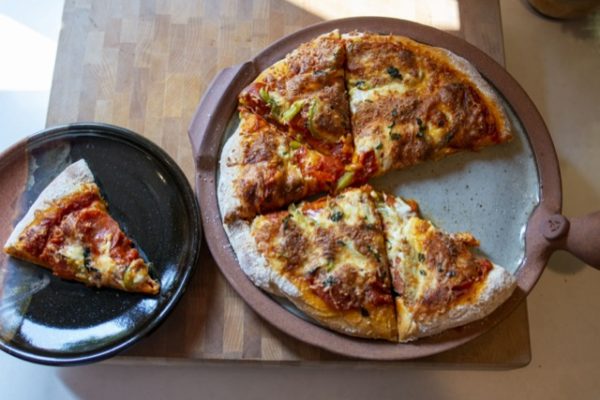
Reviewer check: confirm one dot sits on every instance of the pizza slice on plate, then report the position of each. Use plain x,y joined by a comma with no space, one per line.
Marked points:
68,230
439,283
411,102
263,169
328,258
305,94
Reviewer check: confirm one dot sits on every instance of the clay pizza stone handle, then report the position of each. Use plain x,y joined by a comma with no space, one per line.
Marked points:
216,107
579,236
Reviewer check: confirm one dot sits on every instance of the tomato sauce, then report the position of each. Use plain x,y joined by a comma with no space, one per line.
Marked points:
96,227
368,162
38,233
326,170
82,217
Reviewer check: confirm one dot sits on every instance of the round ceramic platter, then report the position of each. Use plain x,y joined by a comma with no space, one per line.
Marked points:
503,195
49,320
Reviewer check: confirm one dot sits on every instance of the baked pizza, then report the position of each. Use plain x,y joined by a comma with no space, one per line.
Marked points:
68,230
411,102
264,169
335,112
305,94
364,263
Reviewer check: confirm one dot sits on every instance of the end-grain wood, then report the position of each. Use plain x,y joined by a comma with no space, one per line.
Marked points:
144,65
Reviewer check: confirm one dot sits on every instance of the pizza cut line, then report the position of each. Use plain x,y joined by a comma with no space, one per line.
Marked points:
334,113
69,231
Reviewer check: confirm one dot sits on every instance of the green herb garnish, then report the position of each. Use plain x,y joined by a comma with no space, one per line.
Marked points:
394,73
286,222
336,216
360,84
329,281
264,95
449,136
422,128
394,115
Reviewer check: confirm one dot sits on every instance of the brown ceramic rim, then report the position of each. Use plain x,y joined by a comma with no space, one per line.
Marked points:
206,133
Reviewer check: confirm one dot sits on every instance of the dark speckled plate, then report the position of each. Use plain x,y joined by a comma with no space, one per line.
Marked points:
48,320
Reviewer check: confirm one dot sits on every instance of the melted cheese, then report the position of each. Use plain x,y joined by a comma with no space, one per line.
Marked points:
278,70
353,209
356,208
438,134
430,268
358,96
432,96
104,263
75,253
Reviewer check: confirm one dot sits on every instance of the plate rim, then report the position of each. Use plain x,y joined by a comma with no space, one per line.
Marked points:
174,296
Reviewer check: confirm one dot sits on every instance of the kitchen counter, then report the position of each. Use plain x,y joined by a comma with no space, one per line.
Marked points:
554,64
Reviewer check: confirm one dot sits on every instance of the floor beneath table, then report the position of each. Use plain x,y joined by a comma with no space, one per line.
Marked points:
557,63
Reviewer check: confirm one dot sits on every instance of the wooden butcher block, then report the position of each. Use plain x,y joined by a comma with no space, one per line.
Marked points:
145,64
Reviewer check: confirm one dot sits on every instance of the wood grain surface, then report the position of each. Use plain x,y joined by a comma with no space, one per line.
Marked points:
144,64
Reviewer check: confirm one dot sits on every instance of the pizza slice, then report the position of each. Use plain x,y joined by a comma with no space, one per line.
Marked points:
328,258
411,102
305,94
264,169
68,230
439,283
